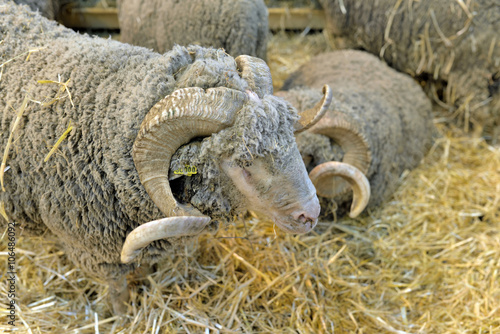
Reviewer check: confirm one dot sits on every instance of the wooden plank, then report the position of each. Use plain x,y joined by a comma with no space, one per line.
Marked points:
90,18
296,18
279,18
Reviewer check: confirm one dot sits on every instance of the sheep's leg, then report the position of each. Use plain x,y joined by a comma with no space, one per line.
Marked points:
119,295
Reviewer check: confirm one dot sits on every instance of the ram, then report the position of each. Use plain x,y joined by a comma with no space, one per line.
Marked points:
379,122
452,45
238,26
105,192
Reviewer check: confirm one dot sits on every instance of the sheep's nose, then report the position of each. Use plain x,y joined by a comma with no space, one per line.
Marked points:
309,213
303,219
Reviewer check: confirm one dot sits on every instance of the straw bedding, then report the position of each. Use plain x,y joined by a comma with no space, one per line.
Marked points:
428,262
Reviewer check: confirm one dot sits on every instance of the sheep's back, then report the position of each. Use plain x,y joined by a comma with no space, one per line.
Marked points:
451,49
239,27
47,8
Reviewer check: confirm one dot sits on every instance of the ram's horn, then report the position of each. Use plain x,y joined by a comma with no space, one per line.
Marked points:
172,122
310,117
256,73
324,174
173,227
355,146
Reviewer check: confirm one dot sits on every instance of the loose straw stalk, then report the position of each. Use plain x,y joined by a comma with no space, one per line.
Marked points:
58,142
64,87
2,211
9,141
29,52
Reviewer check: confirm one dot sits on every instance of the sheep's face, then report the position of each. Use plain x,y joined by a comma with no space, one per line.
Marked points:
282,192
253,164
272,177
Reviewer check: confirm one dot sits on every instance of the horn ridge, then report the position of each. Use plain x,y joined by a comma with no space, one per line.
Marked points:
356,148
172,227
310,117
256,73
172,122
323,173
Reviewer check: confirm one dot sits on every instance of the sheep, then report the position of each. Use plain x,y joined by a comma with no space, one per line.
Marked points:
452,45
104,194
379,122
240,27
47,8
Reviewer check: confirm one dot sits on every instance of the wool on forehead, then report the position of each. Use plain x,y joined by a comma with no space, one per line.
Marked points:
262,129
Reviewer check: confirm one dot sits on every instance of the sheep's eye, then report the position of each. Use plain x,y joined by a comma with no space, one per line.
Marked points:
247,174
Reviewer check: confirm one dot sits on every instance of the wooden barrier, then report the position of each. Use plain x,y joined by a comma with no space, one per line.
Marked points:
296,18
90,18
107,18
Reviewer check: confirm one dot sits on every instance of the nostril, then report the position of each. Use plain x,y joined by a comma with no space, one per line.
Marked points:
303,219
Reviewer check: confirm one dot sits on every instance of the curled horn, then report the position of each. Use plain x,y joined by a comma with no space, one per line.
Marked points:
324,174
173,227
354,144
310,117
172,122
256,73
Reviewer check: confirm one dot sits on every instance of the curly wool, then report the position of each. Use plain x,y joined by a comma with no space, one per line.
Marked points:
238,26
258,131
88,195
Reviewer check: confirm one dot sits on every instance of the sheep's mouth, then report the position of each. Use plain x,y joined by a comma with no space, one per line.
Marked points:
295,227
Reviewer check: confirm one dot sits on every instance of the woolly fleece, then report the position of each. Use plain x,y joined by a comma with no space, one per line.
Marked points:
389,109
88,195
238,26
457,49
47,8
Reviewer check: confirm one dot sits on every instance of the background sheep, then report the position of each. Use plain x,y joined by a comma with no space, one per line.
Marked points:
47,8
379,121
90,195
239,27
453,47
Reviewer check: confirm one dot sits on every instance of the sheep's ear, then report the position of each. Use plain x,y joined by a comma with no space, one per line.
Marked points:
310,117
256,73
